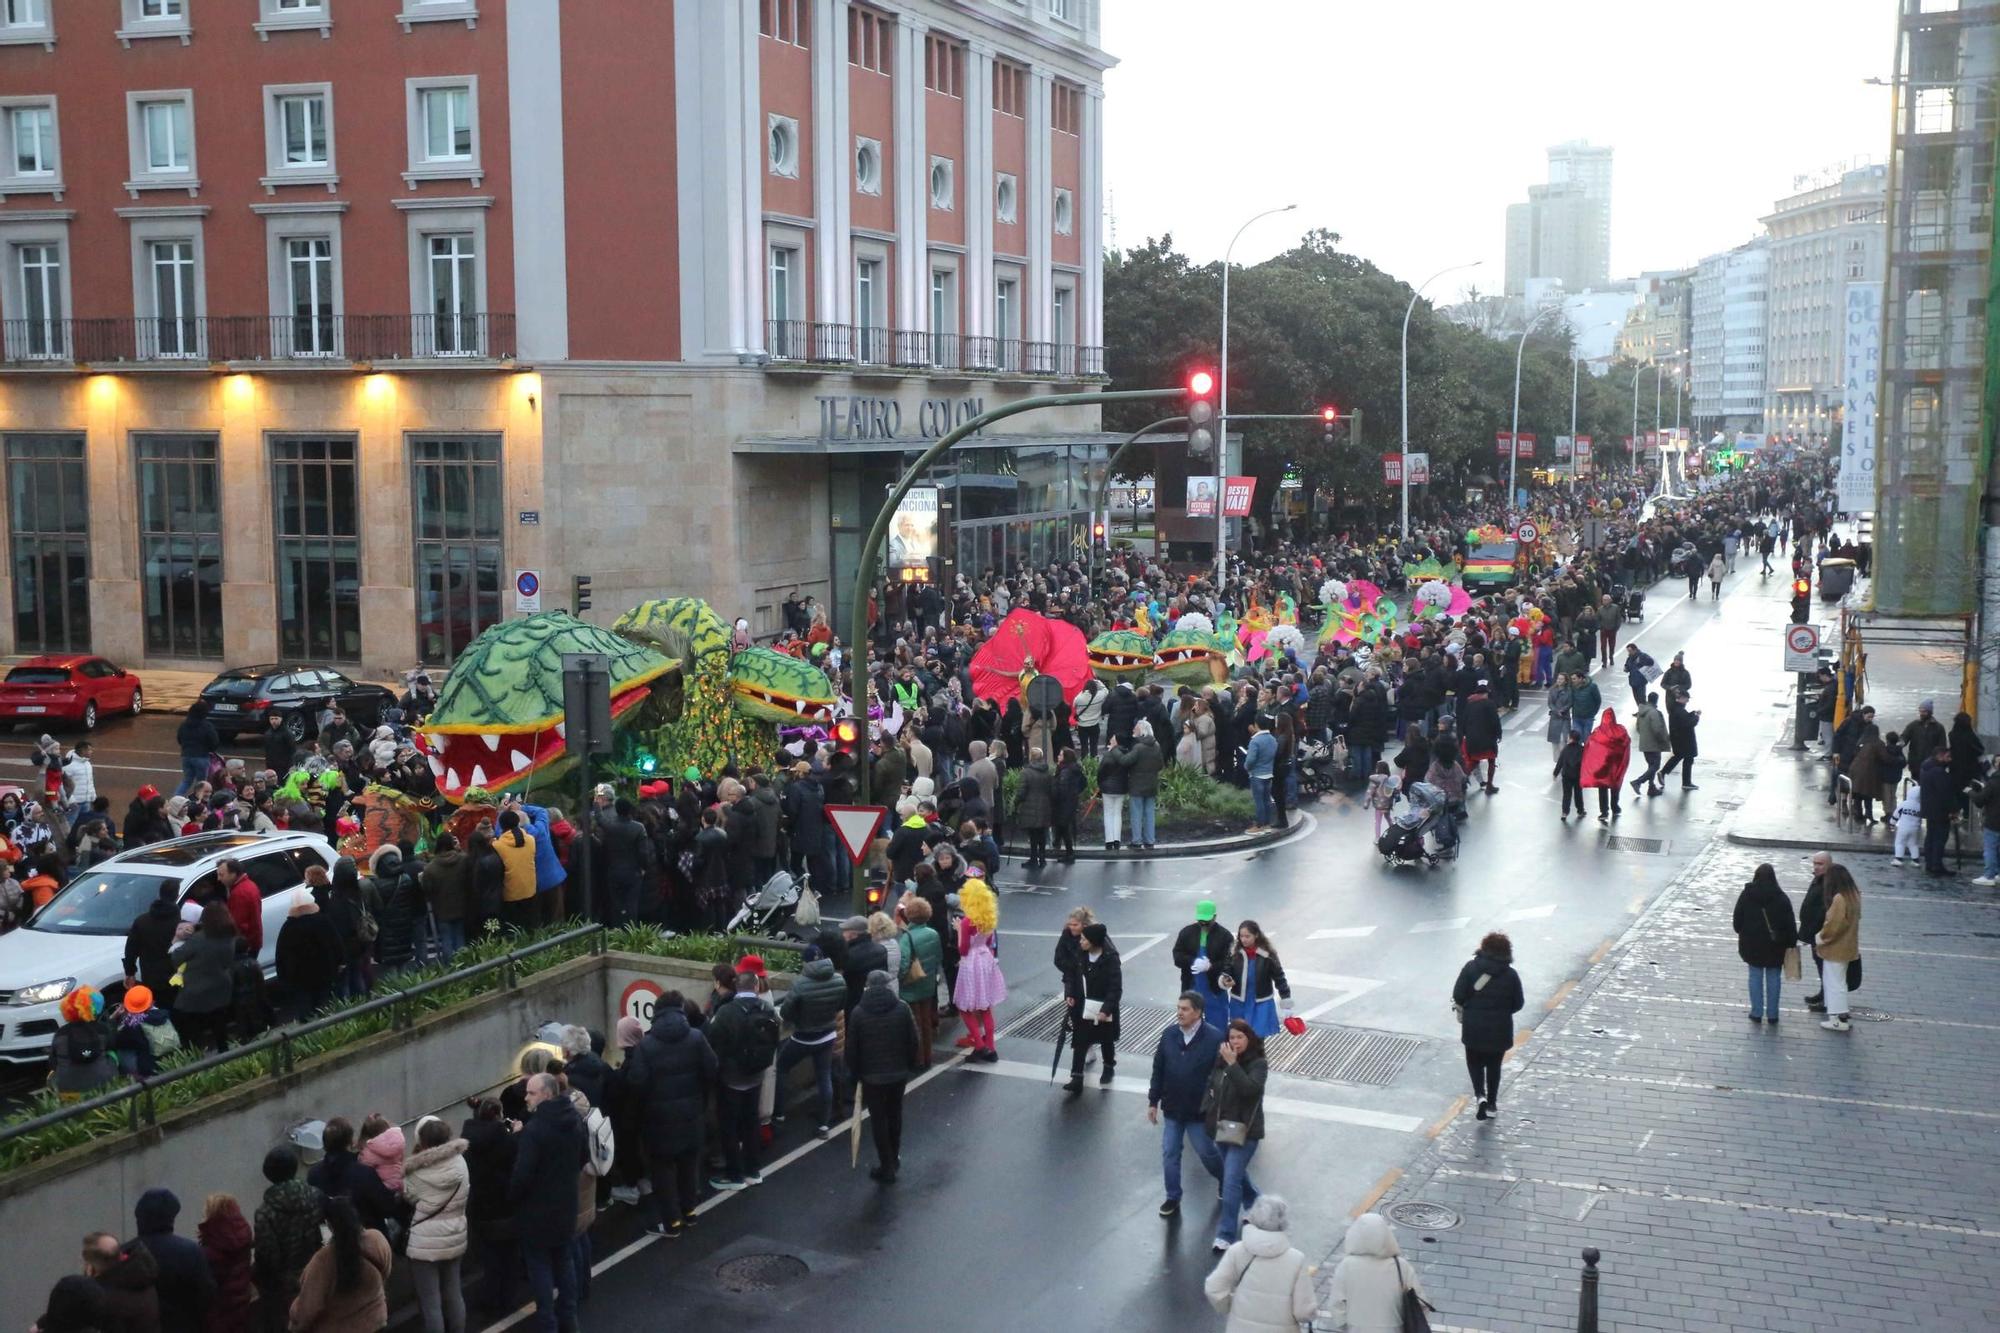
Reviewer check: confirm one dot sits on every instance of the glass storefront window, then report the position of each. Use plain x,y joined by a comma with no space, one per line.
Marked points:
180,544
319,549
51,543
456,496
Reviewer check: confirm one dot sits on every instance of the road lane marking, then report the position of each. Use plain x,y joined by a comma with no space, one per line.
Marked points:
1693,1085
1554,1002
1447,923
1597,955
1327,1112
1374,1196
1449,1116
1530,913
1343,933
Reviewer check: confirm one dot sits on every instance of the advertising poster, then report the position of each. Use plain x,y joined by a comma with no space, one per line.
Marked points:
1201,497
913,535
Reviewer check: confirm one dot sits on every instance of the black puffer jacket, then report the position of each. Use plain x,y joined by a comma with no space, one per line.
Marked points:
881,1039
815,1001
1765,925
1488,995
669,1073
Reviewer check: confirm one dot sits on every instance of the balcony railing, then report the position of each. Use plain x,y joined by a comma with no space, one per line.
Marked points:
791,342
281,339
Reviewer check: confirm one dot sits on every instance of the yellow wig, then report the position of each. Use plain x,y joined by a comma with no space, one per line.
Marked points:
981,908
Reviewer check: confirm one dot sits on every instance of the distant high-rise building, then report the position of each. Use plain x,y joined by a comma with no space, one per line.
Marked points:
1731,292
1659,327
1821,239
1564,230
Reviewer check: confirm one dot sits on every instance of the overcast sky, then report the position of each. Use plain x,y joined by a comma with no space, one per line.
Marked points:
1408,126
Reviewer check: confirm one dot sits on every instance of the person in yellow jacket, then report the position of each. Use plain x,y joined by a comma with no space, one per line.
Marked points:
1838,943
516,847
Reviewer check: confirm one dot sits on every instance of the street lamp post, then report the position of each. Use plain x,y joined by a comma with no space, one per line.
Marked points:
1637,371
1222,411
1411,309
1514,436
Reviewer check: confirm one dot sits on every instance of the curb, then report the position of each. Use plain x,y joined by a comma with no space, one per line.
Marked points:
1807,845
1169,851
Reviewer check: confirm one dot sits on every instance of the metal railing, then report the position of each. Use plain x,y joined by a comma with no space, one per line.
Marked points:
802,342
286,339
139,1094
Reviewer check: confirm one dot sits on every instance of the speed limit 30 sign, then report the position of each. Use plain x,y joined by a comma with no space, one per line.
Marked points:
1528,533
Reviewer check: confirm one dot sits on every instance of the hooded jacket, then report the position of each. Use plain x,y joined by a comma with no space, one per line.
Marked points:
438,1186
287,1233
1488,995
764,816
321,1309
1652,724
1606,753
669,1073
881,1038
225,1247
383,1155
309,953
185,1285
1368,1283
549,870
148,943
1765,925
1264,1285
543,1188
815,1001
131,1305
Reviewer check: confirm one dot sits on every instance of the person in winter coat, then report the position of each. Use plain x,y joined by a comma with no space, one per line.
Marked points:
1765,929
1479,725
309,957
1263,1283
1114,767
446,884
245,901
438,1186
1034,808
490,1148
1486,996
382,1150
1584,703
183,1279
286,1236
1838,944
1939,802
486,883
1121,710
1094,992
1605,756
882,1057
1201,952
396,898
1233,1115
519,850
669,1075
1142,777
813,1008
124,1276
1653,740
1924,735
1681,722
149,943
1067,805
198,742
1087,713
920,957
543,1194
344,1289
626,852
225,1244
1370,1279
1254,981
1716,569
339,1174
1864,772
1636,664
551,834
583,1069
1181,1061
208,989
1559,729
76,1304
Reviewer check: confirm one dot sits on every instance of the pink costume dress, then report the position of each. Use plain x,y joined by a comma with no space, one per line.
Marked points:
980,984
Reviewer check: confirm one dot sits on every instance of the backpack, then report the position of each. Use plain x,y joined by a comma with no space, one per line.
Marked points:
753,1038
603,1145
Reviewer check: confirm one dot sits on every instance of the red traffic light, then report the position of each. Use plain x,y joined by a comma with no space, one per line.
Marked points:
1201,384
846,732
1328,414
1801,588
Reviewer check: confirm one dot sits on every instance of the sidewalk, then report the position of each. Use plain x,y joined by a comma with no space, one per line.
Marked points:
1735,1175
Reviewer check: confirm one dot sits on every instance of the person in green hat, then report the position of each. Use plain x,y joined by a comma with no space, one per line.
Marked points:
1202,945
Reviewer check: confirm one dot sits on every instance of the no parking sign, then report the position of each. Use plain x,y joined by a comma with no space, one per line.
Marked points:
639,1000
527,592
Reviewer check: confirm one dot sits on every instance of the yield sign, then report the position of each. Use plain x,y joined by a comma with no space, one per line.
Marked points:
856,825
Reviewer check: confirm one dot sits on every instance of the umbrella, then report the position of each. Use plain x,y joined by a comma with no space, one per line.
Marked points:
854,1136
1062,1039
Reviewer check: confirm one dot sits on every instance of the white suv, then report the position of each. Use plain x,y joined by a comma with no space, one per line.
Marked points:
79,937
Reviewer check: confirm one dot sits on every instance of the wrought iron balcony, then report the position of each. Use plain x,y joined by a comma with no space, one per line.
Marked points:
298,340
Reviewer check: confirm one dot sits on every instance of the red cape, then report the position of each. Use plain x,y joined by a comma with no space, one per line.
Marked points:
1606,753
1056,646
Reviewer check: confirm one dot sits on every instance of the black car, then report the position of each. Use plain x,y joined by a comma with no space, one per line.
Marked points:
244,699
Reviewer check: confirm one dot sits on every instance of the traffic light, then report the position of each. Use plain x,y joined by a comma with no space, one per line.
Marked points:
1097,536
847,736
1801,601
579,596
1327,416
1200,413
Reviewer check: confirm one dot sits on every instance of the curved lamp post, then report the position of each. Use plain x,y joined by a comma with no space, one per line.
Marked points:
1408,311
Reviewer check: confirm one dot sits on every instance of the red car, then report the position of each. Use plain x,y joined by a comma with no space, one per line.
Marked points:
67,687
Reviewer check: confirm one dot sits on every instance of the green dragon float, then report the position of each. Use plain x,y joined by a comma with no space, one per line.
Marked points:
1184,657
676,690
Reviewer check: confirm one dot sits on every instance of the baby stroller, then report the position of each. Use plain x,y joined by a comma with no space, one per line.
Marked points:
769,910
1402,843
1321,766
1635,602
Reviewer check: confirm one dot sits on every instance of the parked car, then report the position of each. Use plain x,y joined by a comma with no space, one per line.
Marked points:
67,687
78,938
243,699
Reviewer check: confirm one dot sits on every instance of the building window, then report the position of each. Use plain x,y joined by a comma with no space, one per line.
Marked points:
456,499
315,516
310,296
454,294
868,166
784,302
282,15
31,144
1065,211
1065,108
1004,197
868,36
942,195
438,11
160,127
447,124
169,142
49,507
180,545
444,129
153,18
784,146
1063,11
944,66
25,21
175,327
41,332
1010,89
871,306
1062,316
944,317
786,20
303,131
1007,323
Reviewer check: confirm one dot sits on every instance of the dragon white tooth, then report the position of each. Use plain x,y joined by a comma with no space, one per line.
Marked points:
492,739
800,705
521,761
478,776
562,731
451,782
437,765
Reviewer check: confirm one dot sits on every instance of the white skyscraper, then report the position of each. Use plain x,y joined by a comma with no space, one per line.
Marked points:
1564,230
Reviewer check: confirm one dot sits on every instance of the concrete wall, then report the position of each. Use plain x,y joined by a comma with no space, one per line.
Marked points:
47,1208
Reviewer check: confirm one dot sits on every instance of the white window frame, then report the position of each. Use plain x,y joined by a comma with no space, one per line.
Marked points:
1006,197
279,171
140,24
293,16
175,229
871,315
788,167
1063,11
422,224
438,11
866,145
1064,211
1009,287
943,354
15,233
1062,324
950,168
423,167
37,26
143,176
11,181
284,224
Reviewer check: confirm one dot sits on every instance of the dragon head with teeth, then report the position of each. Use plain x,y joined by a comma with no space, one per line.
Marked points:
499,722
767,684
1120,655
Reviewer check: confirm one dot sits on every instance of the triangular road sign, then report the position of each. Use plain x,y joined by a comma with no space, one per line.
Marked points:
856,825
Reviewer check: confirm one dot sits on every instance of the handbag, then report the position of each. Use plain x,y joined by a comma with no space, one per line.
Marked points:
1854,975
1792,963
1232,1133
1415,1309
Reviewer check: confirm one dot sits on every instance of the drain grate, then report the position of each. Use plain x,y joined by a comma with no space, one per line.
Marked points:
761,1272
1318,1054
1378,1061
1618,842
1326,1052
1421,1216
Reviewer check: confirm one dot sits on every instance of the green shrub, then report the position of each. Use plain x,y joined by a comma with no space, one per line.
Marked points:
1187,795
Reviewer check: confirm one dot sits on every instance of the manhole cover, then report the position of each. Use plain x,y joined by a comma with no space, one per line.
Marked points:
1421,1216
761,1272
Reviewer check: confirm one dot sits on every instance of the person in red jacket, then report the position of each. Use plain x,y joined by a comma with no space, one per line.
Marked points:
245,903
1605,756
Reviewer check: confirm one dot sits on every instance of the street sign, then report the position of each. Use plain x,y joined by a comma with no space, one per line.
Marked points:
639,1000
856,826
1528,533
531,518
1801,647
527,591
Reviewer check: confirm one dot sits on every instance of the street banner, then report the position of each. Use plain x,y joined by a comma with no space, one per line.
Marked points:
1861,342
1563,443
856,826
1236,495
1420,469
1201,497
1524,443
1582,448
1628,444
1392,469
